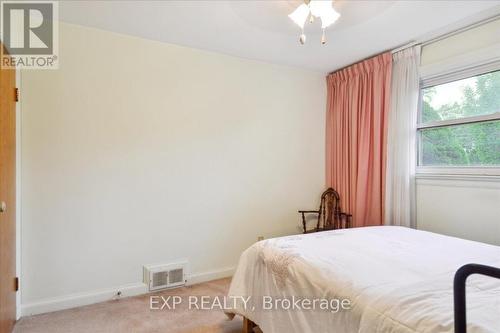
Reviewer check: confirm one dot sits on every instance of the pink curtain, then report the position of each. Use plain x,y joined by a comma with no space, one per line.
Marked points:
356,130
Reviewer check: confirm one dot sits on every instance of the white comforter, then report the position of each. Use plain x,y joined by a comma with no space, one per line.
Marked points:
397,280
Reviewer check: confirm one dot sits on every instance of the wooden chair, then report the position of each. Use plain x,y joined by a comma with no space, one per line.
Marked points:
329,214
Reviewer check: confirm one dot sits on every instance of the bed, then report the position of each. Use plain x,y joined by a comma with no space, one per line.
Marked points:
395,279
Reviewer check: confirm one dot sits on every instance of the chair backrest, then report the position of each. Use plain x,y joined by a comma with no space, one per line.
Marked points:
329,210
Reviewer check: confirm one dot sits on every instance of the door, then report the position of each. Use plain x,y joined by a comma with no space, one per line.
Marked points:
8,283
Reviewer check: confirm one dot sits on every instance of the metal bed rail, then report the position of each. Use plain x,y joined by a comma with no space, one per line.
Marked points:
459,291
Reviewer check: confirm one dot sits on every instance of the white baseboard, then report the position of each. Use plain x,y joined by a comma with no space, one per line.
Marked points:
81,299
92,297
211,275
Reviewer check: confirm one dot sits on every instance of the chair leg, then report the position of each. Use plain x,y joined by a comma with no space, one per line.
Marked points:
248,325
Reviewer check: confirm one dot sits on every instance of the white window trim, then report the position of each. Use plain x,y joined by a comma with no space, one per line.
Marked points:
456,172
459,171
456,74
460,121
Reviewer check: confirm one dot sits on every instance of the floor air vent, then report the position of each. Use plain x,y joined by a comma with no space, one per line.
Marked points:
165,276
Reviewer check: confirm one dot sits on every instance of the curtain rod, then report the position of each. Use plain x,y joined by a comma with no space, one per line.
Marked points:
428,41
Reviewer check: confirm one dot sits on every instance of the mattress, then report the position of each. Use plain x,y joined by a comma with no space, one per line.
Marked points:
369,280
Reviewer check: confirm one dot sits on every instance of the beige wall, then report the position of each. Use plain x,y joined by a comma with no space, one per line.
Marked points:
137,152
467,207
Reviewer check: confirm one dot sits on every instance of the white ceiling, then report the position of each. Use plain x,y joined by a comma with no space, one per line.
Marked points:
261,30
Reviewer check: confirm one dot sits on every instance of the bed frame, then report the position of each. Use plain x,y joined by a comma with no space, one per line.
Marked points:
459,291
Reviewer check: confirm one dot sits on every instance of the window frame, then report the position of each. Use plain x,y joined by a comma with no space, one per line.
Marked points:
435,80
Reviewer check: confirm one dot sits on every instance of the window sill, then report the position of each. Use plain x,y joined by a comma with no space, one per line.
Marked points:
478,174
458,177
458,181
459,171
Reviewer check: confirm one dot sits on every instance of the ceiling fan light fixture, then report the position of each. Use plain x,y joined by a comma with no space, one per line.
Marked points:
319,7
299,15
302,38
329,17
314,8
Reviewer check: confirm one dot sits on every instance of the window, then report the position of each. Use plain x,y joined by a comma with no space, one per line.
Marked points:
459,123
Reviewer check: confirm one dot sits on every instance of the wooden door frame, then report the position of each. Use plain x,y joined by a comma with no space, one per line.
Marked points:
18,192
18,196
13,206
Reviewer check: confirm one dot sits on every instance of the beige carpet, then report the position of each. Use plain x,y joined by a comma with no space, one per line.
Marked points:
134,315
